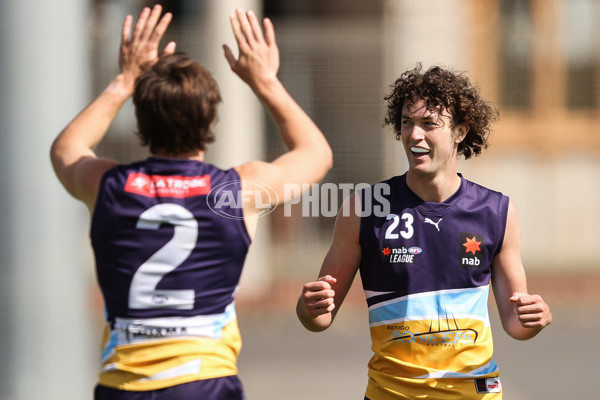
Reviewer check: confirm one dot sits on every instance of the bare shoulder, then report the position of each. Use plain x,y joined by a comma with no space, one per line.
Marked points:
87,176
255,170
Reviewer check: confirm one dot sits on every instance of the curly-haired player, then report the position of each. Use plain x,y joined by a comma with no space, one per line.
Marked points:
450,91
428,261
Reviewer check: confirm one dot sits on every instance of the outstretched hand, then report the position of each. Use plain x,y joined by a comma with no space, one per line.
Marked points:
139,50
258,59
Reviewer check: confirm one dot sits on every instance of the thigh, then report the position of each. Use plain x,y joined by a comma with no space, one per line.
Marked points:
226,388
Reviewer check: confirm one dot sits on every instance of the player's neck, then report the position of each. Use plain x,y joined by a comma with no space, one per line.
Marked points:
193,155
433,188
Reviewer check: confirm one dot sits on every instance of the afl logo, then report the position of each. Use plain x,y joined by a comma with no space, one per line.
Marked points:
224,198
415,250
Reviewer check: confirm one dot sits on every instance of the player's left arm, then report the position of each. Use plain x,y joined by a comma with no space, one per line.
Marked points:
72,153
523,315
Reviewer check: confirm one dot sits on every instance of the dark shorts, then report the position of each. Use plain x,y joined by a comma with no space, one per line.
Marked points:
226,388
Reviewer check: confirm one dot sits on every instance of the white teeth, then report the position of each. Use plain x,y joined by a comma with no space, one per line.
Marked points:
419,150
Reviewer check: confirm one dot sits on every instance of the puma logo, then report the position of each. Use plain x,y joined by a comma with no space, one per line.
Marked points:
436,224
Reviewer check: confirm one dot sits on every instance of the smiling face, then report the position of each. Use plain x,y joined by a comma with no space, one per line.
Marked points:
430,141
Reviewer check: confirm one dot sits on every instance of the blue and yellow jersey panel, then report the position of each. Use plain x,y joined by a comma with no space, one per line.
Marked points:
155,353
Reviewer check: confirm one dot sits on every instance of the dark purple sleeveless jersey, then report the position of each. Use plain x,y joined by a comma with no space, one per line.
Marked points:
425,270
424,246
164,244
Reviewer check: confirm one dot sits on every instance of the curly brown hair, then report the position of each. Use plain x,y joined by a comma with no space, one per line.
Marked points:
444,89
176,105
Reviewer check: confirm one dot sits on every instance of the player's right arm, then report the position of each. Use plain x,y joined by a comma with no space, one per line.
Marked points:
309,156
321,300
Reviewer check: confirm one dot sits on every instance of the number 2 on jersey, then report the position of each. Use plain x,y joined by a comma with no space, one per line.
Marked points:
142,292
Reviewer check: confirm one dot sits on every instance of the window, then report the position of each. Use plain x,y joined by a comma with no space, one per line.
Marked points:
515,54
580,34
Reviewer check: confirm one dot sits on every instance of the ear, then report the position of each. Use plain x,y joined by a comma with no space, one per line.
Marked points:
460,132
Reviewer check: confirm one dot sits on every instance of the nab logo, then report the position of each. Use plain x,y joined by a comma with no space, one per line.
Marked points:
471,249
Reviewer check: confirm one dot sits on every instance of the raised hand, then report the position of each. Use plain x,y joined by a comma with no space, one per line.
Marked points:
139,50
258,59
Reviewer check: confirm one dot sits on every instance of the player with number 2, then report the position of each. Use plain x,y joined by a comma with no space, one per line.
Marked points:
168,264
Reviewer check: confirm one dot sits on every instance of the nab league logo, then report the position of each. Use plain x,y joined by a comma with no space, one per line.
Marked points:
472,245
401,255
